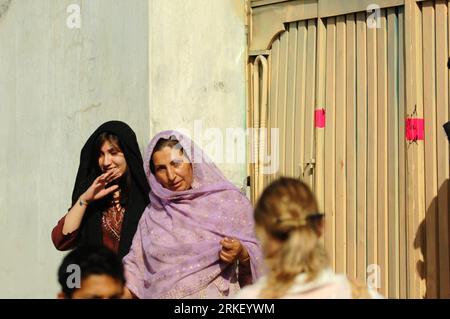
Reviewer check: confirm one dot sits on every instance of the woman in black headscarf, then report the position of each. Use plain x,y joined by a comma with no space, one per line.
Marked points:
110,192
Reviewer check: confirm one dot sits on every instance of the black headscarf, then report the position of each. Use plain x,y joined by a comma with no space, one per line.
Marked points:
137,199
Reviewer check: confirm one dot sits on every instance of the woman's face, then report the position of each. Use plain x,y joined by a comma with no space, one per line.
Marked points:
112,157
172,169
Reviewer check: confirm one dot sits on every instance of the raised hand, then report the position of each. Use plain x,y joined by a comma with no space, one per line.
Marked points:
98,189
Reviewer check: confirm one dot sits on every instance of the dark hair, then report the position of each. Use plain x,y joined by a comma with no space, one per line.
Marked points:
125,181
164,142
92,261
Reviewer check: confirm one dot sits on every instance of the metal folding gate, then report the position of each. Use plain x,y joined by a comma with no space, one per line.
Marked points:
348,90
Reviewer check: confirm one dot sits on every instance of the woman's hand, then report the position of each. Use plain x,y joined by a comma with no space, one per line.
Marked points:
97,190
232,249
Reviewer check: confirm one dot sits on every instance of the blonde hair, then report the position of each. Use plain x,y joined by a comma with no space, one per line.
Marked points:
287,213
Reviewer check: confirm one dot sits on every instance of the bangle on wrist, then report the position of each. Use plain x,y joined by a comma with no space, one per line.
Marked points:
81,202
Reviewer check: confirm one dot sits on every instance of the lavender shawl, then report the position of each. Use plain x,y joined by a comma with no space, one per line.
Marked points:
175,251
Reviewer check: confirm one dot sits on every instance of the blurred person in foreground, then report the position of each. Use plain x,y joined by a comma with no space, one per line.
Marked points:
289,227
90,272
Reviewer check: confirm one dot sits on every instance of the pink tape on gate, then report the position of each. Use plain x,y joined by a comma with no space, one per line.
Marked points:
319,118
415,129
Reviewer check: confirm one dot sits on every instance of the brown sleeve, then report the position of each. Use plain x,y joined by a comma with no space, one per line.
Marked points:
61,241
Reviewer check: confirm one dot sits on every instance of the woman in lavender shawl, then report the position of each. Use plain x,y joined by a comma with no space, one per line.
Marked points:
196,238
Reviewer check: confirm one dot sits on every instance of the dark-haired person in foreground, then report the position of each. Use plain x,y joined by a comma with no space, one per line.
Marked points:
91,272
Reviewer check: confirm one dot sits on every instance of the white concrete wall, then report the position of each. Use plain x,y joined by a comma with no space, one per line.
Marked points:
197,63
56,86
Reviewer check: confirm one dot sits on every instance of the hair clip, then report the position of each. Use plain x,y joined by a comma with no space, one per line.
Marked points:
315,216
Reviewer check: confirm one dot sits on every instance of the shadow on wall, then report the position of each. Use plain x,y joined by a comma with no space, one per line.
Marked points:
4,6
428,236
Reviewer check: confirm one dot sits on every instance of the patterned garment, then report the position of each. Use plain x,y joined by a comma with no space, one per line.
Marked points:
112,220
175,252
